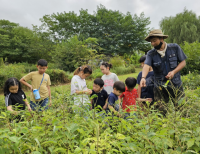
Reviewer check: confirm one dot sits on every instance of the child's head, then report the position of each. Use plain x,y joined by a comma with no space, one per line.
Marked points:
118,88
142,60
105,67
83,71
130,83
12,85
98,85
42,66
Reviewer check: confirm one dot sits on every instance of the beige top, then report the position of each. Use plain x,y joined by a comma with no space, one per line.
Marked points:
36,78
162,53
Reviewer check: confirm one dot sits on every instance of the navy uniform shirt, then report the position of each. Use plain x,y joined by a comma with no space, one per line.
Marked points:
16,100
162,66
100,99
146,92
112,101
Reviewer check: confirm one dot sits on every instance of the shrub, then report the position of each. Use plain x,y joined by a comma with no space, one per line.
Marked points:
58,76
191,81
117,61
123,70
10,71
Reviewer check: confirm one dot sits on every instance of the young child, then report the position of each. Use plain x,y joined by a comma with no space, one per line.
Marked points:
145,92
108,77
130,96
15,98
41,81
102,95
118,89
79,87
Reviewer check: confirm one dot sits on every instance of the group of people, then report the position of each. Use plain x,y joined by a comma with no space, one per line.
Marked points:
161,65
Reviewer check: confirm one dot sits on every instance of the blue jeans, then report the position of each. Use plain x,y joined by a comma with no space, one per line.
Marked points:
39,104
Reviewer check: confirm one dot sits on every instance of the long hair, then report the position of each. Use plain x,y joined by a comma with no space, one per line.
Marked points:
107,65
85,68
11,82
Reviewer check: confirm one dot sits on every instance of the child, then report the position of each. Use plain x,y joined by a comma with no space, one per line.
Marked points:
15,98
130,95
102,95
41,81
79,87
118,89
145,92
108,77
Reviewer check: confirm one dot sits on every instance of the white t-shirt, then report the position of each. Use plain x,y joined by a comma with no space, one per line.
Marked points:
78,84
109,81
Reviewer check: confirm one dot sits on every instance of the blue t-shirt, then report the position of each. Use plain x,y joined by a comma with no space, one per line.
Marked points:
111,101
146,92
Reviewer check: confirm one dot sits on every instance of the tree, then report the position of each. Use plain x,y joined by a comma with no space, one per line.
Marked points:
116,32
184,26
20,44
73,53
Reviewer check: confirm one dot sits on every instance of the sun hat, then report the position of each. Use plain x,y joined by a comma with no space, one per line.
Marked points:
156,32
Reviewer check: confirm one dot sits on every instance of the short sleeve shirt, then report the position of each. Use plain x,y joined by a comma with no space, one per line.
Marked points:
129,99
36,78
162,66
112,101
16,100
79,84
109,81
100,99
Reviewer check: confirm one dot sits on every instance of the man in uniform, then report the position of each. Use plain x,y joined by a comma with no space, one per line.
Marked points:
167,60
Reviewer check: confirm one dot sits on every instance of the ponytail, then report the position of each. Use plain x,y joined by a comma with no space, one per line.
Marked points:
85,68
107,65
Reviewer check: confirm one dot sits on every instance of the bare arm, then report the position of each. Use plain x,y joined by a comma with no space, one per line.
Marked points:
139,91
9,108
26,83
27,104
145,71
106,104
88,92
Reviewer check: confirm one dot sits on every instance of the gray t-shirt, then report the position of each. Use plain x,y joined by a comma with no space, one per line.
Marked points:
109,81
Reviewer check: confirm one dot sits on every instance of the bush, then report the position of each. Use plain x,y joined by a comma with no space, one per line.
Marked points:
58,76
117,61
10,71
191,81
123,70
192,51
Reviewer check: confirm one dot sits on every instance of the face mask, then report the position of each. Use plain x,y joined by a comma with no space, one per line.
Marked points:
158,46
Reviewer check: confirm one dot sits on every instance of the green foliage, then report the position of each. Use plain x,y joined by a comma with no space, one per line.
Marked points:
123,70
192,51
60,130
72,54
20,44
10,71
116,32
191,81
117,61
58,76
184,26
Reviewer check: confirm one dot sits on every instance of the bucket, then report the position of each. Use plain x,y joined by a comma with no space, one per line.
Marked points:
36,94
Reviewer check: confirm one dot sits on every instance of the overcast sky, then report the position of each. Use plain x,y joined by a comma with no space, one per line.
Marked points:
28,12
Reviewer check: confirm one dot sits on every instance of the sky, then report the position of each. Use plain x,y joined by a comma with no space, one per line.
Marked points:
28,12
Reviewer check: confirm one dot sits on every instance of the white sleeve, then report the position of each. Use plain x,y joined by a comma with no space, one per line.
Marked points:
74,86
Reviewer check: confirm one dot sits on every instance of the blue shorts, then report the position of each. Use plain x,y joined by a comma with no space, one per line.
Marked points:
39,105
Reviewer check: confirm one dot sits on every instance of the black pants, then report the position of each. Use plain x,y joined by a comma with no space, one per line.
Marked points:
162,95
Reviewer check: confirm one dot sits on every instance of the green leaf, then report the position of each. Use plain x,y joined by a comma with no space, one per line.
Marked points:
190,143
60,150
